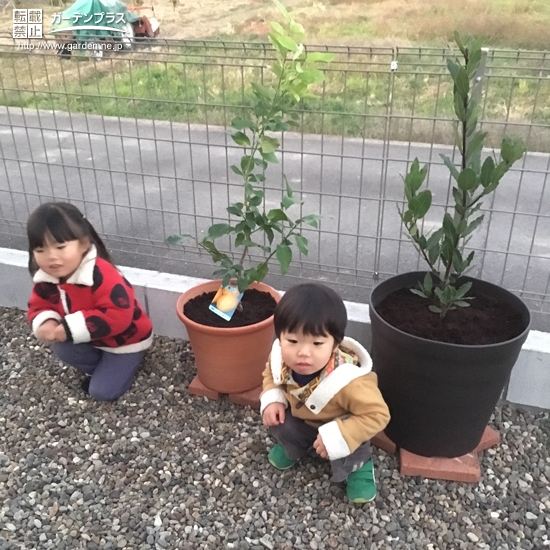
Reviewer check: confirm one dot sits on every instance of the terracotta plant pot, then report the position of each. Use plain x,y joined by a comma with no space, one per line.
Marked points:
229,360
440,395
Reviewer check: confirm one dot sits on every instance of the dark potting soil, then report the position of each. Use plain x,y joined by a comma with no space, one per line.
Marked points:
257,306
486,321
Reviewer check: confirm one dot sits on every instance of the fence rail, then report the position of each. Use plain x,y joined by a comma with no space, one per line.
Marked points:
138,140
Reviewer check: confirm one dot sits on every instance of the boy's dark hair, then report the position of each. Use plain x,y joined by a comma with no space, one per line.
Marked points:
313,309
64,222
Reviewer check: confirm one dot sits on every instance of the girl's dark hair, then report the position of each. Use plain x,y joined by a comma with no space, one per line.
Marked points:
313,309
63,222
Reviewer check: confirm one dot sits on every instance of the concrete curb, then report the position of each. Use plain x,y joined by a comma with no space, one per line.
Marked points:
529,383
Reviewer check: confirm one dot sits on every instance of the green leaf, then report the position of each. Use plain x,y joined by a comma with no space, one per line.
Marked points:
473,61
433,254
427,285
217,256
218,230
296,29
462,82
443,296
277,215
457,261
284,256
270,157
415,177
467,179
276,27
459,42
240,138
177,239
434,238
408,216
512,150
236,170
261,272
256,200
418,293
487,170
241,240
277,126
236,209
240,227
449,164
461,303
472,226
460,110
320,57
449,226
453,68
242,123
302,244
474,145
269,233
459,199
463,290
288,201
261,91
250,221
268,145
311,220
435,309
247,164
285,41
421,203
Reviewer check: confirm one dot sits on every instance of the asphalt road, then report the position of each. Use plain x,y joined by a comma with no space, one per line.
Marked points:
143,180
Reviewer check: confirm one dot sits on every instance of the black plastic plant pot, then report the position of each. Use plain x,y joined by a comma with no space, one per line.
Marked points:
440,395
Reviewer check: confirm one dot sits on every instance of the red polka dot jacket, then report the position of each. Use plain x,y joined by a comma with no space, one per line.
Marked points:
96,304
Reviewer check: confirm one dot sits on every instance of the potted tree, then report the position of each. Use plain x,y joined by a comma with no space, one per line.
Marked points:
443,343
231,355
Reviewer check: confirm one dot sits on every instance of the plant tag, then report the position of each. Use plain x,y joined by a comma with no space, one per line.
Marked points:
226,300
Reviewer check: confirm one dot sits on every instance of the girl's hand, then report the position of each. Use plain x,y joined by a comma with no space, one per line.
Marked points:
59,334
274,414
46,331
319,447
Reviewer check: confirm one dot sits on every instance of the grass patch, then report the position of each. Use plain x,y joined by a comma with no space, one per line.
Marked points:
515,24
359,98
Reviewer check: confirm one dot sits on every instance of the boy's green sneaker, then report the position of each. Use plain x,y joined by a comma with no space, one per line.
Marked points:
361,486
278,458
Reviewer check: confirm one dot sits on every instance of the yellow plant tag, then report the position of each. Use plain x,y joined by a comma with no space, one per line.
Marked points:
226,301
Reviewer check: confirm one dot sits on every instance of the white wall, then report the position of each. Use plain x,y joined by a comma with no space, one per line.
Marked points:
529,383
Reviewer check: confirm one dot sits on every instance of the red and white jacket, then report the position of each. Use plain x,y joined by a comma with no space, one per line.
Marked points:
95,305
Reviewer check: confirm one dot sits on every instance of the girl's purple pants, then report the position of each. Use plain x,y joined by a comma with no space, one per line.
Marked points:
111,374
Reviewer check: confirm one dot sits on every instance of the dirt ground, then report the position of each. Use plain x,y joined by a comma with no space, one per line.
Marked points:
181,19
523,24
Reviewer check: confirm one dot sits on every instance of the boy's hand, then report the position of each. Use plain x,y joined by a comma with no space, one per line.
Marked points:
319,447
46,331
60,334
274,414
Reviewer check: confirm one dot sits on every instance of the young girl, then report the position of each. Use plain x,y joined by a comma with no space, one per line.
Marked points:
81,304
319,390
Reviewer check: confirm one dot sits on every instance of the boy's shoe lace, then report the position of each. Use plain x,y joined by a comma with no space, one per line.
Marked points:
361,485
277,457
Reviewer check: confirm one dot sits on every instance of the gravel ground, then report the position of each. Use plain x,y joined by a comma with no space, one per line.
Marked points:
160,469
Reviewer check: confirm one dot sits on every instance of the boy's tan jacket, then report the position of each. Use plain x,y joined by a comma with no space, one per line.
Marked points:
347,406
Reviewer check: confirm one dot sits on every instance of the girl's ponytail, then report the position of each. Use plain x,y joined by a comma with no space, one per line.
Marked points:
102,251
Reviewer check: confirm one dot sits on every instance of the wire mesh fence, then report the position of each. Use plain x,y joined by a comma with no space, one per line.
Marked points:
138,139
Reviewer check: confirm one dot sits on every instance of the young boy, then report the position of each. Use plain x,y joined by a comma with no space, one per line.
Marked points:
319,390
